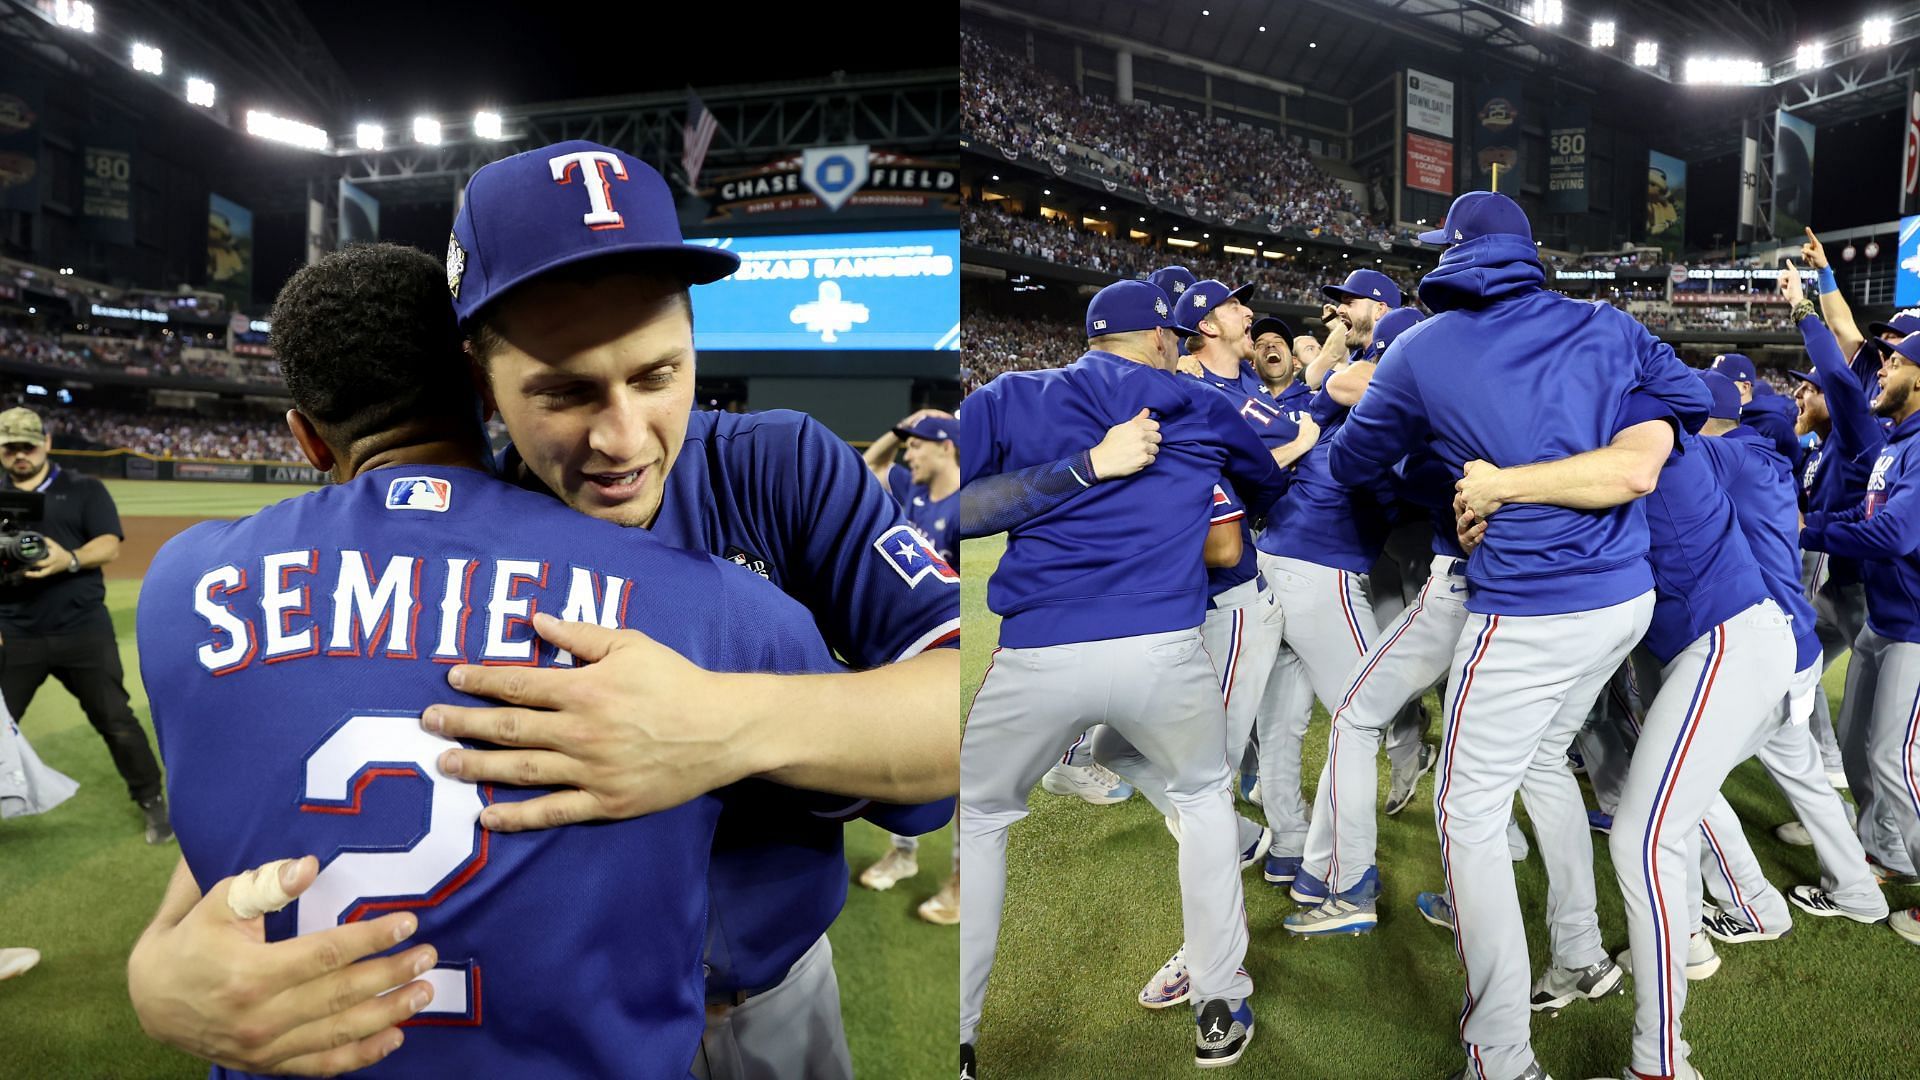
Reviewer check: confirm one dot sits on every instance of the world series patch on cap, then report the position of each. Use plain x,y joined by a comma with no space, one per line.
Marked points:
562,204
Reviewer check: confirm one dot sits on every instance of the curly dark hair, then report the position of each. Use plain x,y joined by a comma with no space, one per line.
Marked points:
366,337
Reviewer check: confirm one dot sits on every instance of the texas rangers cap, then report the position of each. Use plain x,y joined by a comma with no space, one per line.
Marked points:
1366,285
1200,299
1477,214
1735,366
1903,322
1389,327
1268,324
1809,377
1726,396
559,205
1125,306
931,428
1908,349
1173,280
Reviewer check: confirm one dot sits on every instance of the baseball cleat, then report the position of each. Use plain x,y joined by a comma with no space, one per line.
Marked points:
1534,1072
17,962
1281,869
1400,787
158,829
1728,927
1170,985
1576,763
943,907
1094,783
1906,924
1557,987
1702,961
968,1070
1793,833
1886,876
1222,1029
1249,787
1815,900
1435,909
894,867
1250,855
1352,912
1600,823
1307,889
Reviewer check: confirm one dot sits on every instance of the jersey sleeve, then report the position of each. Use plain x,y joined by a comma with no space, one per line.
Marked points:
1891,531
1857,436
995,504
98,515
1384,427
1660,373
1225,507
879,593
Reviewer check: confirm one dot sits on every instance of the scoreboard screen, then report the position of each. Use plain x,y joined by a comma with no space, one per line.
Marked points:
832,291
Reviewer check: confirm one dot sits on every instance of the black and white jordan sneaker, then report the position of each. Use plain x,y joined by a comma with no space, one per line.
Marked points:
1222,1029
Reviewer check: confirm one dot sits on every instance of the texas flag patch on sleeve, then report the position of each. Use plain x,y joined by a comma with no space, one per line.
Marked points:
912,557
419,493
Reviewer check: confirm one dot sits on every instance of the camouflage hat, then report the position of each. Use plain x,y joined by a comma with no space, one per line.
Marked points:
21,425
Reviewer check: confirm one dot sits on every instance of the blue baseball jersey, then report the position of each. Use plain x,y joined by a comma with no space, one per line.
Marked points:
1294,396
1122,558
1703,570
288,657
1323,521
1760,483
1835,474
779,495
1273,427
1509,373
937,519
1883,532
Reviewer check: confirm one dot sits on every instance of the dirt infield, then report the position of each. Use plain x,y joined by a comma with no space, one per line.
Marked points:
144,537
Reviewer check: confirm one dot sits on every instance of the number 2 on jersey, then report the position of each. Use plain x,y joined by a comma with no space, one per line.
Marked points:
413,872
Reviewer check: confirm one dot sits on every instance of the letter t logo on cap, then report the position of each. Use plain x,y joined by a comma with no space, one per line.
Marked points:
603,215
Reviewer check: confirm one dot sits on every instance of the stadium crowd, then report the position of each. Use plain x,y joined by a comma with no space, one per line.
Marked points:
176,434
158,357
1226,171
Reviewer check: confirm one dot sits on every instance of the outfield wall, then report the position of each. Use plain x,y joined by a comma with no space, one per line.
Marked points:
130,465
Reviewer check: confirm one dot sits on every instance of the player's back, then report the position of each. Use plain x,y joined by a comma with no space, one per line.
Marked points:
1761,484
288,657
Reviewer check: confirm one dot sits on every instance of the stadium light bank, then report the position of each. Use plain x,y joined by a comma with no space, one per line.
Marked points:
1719,71
280,129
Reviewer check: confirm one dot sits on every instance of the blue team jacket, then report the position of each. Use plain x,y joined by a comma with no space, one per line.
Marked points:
1835,475
1883,531
1509,373
1122,559
1758,480
1323,521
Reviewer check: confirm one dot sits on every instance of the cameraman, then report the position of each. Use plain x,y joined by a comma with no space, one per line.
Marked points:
55,621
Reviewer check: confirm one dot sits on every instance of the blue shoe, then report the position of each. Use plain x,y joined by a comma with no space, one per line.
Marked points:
1280,869
1575,762
1308,889
1601,823
1252,852
1354,911
1435,909
1250,787
1222,1029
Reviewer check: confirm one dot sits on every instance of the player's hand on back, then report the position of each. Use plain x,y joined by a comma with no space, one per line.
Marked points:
1189,364
1127,448
635,730
1469,528
1479,488
1813,252
205,980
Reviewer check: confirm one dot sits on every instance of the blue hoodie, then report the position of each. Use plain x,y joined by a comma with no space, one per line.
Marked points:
1759,482
1835,475
1510,373
1122,558
1883,532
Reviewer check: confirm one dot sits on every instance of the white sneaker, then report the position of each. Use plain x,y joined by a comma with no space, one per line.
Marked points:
1095,783
1170,985
1702,961
1793,833
1838,779
1905,923
894,867
17,961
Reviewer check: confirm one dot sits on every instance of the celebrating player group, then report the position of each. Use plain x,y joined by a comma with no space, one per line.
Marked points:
1610,562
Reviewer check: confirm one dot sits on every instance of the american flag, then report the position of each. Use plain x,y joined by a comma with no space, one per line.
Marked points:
697,134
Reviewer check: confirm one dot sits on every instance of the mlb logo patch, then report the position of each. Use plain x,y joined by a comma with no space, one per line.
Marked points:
912,557
420,493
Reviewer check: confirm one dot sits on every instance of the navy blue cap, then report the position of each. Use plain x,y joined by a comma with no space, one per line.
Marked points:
1199,301
1126,306
1908,349
1173,280
1903,322
1480,213
932,428
1269,324
1367,285
1736,367
1726,396
561,204
1389,327
1809,377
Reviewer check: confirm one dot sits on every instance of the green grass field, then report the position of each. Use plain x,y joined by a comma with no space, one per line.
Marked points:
1093,911
79,884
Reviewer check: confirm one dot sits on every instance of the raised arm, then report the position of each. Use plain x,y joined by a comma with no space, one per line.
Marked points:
1833,306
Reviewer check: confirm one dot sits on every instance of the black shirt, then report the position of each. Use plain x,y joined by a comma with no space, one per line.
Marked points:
78,510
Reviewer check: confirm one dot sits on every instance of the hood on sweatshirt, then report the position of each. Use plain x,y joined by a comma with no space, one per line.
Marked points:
1481,271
